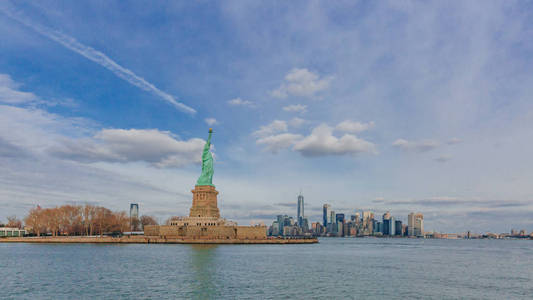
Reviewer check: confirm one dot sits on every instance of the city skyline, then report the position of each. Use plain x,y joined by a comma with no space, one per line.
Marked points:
369,105
366,223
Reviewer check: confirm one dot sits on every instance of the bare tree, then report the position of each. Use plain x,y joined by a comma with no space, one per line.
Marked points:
13,222
35,220
148,220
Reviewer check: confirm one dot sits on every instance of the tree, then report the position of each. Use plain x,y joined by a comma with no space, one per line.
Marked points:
52,220
135,222
35,220
102,218
89,213
70,219
13,222
148,220
123,221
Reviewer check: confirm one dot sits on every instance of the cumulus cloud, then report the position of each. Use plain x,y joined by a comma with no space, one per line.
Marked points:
159,148
275,127
354,127
322,142
420,146
295,108
240,102
275,143
301,83
211,121
10,94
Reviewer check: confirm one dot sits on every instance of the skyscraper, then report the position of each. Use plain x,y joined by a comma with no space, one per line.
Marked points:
339,218
386,225
415,224
300,215
392,226
134,210
134,216
398,227
326,215
419,224
368,222
411,224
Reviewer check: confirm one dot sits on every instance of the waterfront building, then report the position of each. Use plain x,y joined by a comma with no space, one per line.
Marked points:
305,225
399,228
134,216
339,218
274,229
326,215
368,222
415,224
411,224
385,226
391,226
11,232
134,210
340,229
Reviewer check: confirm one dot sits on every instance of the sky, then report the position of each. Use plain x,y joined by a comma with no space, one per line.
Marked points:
400,106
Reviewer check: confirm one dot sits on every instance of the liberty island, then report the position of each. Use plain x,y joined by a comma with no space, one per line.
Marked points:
203,225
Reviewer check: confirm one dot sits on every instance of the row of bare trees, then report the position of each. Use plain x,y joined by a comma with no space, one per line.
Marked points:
80,220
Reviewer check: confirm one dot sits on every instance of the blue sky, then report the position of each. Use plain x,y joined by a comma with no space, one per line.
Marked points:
383,106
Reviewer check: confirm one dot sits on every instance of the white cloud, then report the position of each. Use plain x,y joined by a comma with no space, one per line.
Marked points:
10,94
301,83
240,102
297,122
354,127
295,108
274,143
275,127
99,58
321,142
211,121
420,146
158,148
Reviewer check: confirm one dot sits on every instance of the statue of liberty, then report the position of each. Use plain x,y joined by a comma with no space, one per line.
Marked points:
207,164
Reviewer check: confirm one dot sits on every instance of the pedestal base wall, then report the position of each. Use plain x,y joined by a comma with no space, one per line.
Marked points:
207,232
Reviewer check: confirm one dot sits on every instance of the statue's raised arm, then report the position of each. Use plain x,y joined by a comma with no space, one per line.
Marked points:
207,164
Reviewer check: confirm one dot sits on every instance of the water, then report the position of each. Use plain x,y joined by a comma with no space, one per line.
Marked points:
334,268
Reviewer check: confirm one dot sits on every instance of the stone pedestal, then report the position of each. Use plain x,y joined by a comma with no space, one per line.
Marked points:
204,202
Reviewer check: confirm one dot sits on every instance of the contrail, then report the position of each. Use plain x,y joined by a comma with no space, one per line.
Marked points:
99,58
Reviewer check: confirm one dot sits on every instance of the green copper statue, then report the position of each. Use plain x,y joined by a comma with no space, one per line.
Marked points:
207,164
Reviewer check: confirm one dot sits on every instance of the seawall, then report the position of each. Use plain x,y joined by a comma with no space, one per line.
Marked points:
151,240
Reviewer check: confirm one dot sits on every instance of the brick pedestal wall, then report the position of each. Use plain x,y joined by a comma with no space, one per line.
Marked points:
204,202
